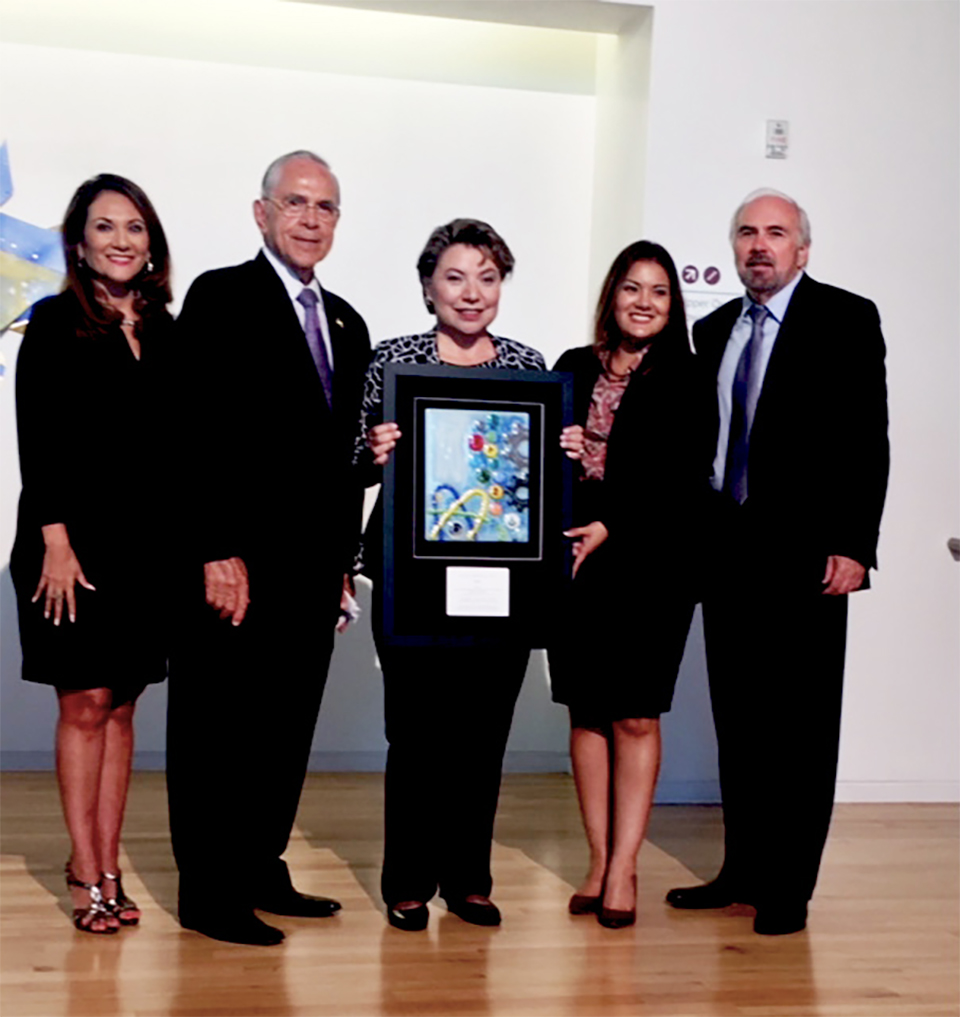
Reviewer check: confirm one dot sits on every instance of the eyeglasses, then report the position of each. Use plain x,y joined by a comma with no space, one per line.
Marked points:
294,206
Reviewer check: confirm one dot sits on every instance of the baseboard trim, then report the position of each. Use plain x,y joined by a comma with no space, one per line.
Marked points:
11,759
687,792
374,762
347,762
898,791
536,762
673,792
15,760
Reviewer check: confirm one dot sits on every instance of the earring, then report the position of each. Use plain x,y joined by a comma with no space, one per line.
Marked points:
149,265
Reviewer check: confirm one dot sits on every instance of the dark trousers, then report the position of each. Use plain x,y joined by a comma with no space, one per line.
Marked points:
775,655
243,704
448,713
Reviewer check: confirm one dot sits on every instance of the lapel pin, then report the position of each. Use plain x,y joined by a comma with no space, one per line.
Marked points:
339,322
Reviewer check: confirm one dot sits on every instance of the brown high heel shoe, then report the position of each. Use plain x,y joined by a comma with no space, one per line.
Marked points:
95,912
583,904
615,918
119,904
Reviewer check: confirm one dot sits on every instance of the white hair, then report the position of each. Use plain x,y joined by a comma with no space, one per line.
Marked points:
275,168
769,192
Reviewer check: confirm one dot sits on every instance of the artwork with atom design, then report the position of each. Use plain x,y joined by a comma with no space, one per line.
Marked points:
477,475
31,259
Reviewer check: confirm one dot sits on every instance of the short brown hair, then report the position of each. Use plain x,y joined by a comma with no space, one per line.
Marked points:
471,232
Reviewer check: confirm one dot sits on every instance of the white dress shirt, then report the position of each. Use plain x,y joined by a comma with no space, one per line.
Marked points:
739,337
294,288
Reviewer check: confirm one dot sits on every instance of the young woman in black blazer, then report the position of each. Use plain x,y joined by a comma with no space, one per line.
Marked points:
644,475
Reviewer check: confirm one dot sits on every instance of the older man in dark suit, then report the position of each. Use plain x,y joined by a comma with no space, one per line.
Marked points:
800,478
274,368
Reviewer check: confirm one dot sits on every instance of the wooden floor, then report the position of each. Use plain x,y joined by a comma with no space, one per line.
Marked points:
883,934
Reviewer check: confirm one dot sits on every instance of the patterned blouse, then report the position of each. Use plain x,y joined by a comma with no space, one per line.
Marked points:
604,403
422,349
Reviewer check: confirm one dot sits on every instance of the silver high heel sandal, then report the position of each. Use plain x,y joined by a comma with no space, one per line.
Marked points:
96,911
119,903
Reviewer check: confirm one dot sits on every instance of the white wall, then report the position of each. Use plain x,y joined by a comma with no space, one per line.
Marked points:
871,93
197,135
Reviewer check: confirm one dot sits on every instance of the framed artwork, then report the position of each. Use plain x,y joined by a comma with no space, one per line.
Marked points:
478,479
476,497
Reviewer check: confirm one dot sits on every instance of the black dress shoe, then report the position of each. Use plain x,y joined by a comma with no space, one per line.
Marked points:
715,894
409,919
780,919
475,912
297,905
232,927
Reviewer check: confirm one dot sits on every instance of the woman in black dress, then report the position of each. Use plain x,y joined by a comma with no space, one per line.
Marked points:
644,472
89,553
447,710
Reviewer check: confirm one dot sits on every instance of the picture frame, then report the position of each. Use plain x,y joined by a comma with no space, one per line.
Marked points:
476,497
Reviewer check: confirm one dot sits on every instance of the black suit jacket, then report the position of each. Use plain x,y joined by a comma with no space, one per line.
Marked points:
819,454
273,482
658,458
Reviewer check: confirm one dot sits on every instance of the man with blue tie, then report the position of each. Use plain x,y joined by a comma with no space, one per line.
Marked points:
799,483
273,368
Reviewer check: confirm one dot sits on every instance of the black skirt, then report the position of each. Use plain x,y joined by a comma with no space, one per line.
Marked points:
622,641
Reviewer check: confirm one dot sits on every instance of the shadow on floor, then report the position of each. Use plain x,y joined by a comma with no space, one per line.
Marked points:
538,815
33,829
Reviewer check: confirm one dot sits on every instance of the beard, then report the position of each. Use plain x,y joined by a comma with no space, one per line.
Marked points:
760,275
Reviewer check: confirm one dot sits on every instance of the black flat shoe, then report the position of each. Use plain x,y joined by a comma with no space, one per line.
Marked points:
715,894
780,919
233,927
294,904
583,904
475,912
409,919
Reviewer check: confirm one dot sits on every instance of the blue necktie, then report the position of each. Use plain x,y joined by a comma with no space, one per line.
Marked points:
318,350
746,390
